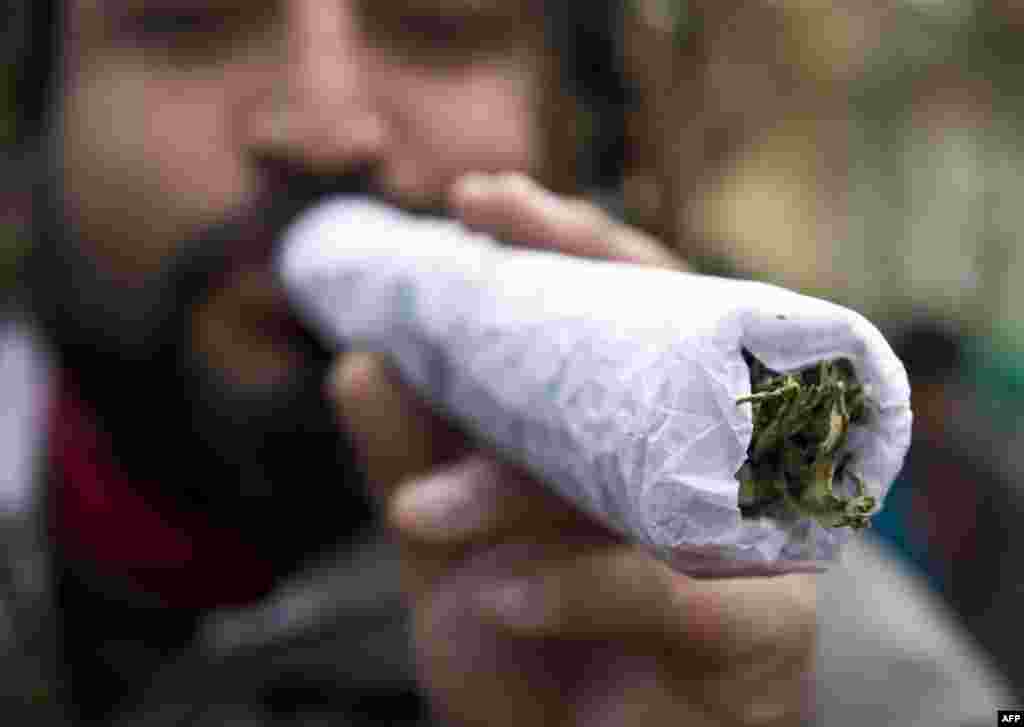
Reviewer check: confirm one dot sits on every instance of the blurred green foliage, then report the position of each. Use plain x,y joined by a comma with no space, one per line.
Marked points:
936,155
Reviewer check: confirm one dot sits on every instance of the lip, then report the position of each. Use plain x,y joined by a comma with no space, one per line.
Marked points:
247,330
241,255
242,320
281,323
245,242
259,298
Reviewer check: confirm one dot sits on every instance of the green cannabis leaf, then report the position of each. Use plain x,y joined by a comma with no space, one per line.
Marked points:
801,422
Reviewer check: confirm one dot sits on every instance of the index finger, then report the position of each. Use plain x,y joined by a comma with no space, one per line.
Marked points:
515,208
624,591
396,435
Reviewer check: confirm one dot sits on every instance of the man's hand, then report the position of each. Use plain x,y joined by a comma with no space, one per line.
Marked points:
526,612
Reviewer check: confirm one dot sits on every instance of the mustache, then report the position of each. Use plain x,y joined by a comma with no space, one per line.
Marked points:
250,235
128,350
74,294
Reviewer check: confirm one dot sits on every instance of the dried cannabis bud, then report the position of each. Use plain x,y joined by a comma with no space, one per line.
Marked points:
801,422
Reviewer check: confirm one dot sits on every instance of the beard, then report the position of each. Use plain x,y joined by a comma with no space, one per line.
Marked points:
268,461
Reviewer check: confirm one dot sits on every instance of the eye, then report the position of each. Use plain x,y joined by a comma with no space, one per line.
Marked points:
428,36
433,31
194,33
168,26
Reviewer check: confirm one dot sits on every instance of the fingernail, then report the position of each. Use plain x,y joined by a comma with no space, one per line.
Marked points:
516,603
441,508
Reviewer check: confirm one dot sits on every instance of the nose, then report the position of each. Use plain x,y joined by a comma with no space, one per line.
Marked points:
316,107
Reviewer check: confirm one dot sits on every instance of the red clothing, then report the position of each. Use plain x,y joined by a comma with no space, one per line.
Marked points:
127,529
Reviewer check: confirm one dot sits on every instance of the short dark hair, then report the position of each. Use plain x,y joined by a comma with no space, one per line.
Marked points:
587,36
30,43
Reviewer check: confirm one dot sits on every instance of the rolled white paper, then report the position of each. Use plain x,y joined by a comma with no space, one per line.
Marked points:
615,384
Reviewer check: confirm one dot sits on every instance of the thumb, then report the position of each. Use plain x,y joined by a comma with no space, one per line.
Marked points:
766,612
395,433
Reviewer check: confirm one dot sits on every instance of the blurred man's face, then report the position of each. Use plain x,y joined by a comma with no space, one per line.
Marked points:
175,110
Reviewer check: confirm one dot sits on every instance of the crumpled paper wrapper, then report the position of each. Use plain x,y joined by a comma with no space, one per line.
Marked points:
615,384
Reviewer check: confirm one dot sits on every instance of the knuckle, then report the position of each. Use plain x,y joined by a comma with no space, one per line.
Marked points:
357,376
590,217
481,475
357,372
516,184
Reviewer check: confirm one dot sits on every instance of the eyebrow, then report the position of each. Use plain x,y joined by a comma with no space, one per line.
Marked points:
471,7
488,7
120,6
456,4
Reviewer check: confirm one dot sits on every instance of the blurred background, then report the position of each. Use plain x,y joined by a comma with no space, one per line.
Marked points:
866,152
9,227
869,153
